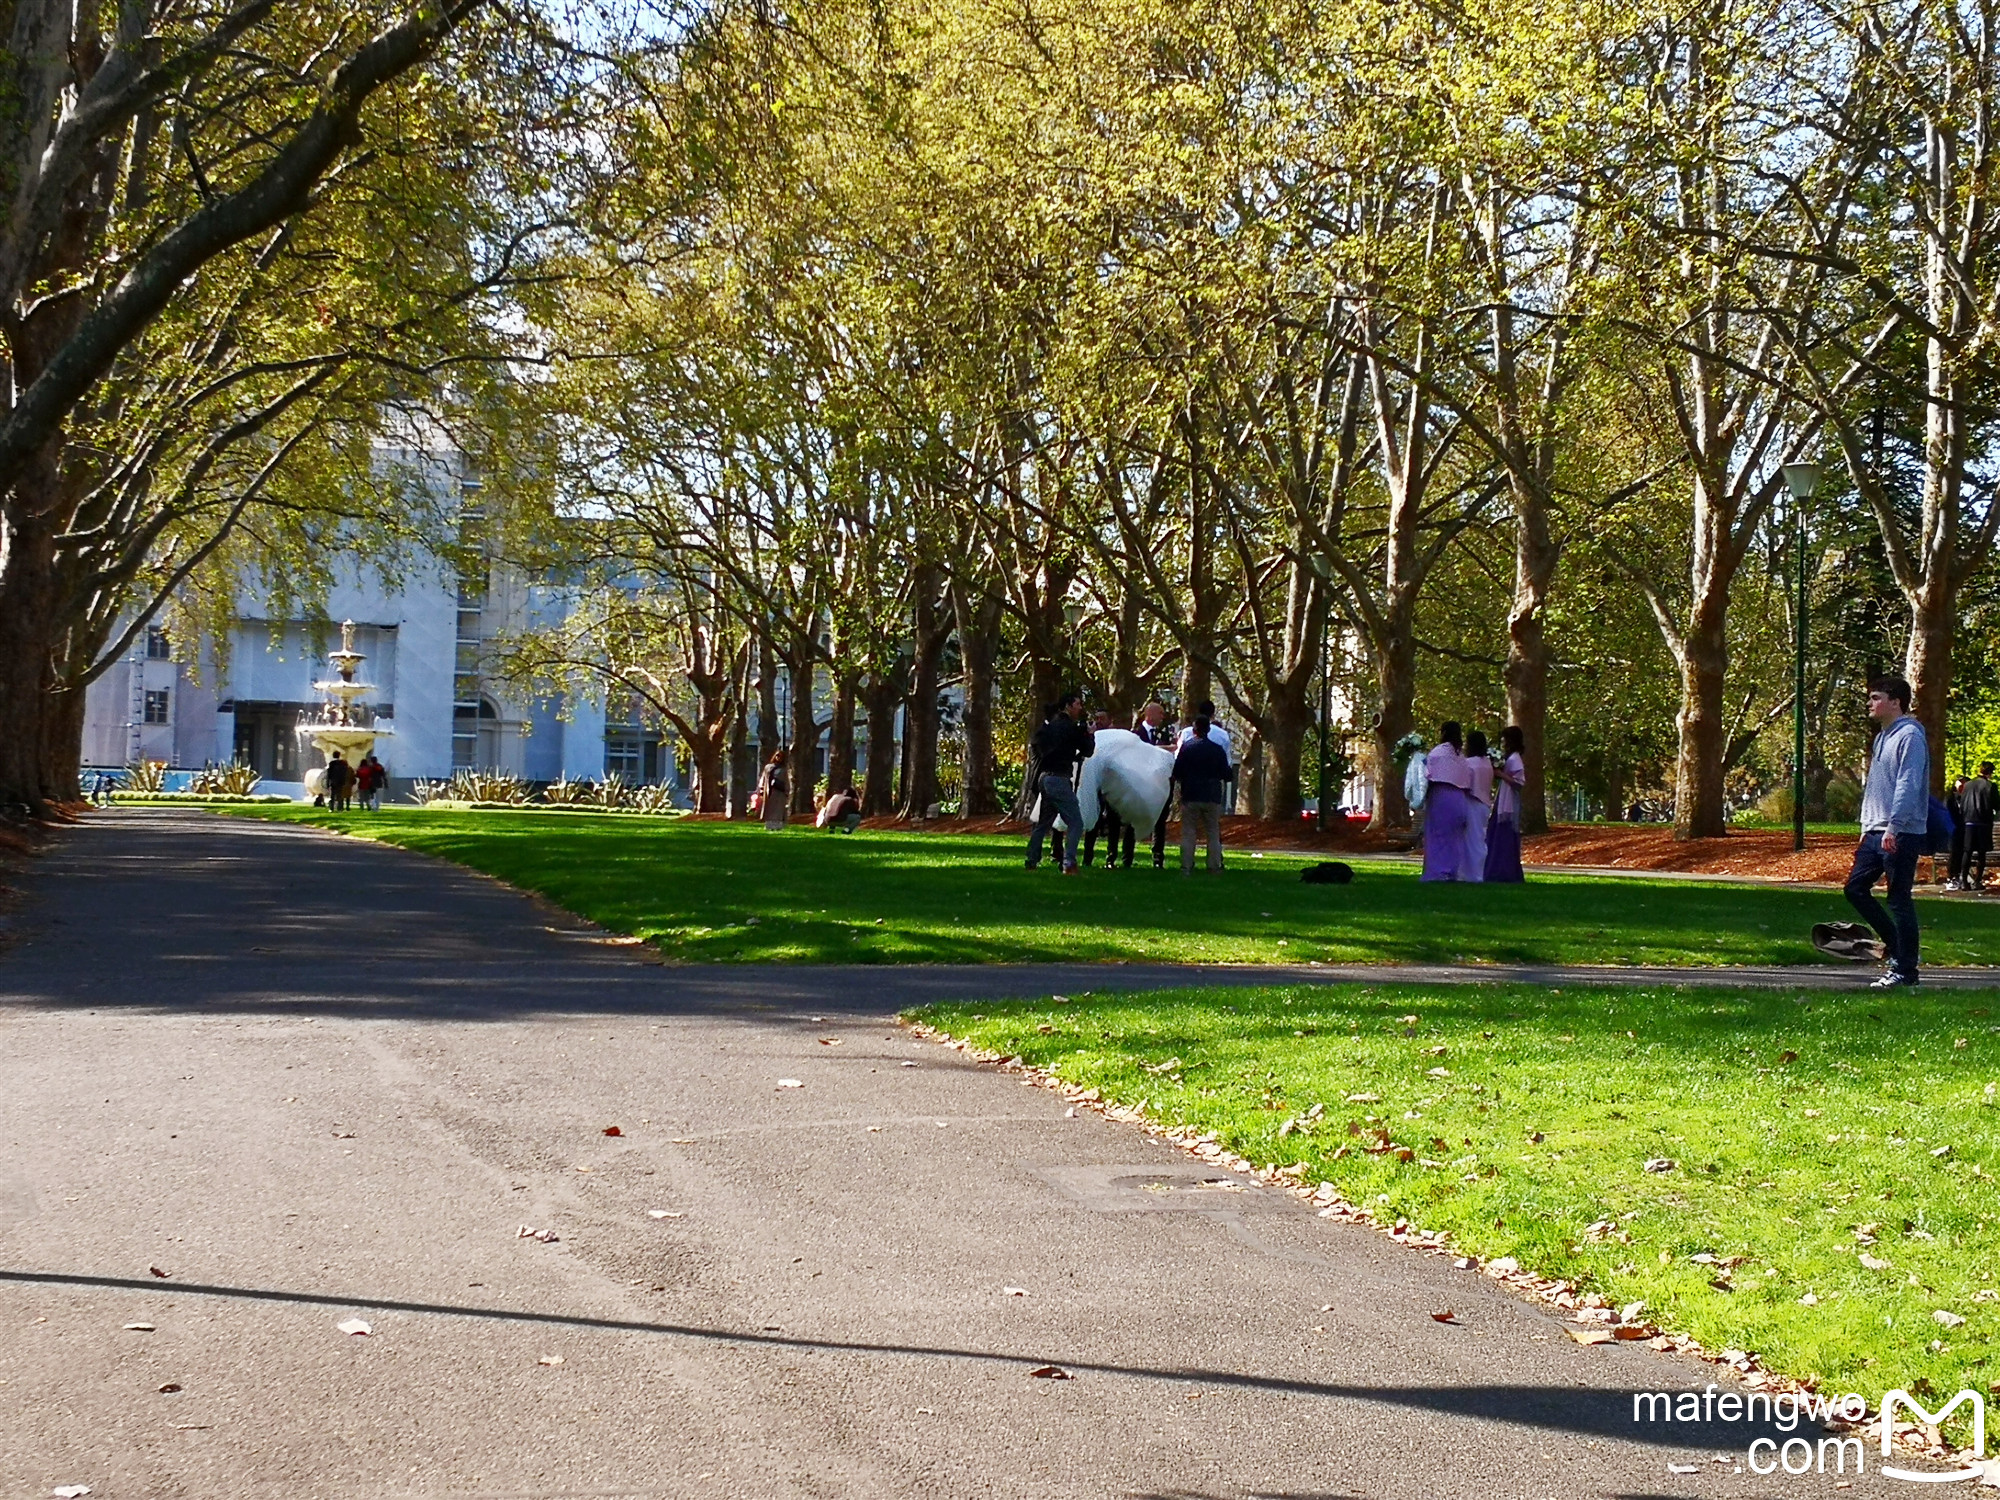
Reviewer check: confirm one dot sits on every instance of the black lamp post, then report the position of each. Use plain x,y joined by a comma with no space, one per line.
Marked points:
1803,481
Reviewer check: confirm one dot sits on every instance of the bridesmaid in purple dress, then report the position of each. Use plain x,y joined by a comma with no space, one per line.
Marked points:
1503,839
1445,804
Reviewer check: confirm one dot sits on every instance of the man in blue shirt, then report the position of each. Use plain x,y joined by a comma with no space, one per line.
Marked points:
1895,814
1201,766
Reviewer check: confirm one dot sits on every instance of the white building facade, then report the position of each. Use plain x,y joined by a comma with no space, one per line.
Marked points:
428,644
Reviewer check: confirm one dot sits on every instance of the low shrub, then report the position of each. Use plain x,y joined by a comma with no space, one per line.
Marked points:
146,776
237,798
234,779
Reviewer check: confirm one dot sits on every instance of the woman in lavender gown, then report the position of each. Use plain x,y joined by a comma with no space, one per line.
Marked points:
1503,838
1478,807
1445,805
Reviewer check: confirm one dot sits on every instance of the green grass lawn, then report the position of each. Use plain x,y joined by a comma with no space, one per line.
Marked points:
1807,1129
720,892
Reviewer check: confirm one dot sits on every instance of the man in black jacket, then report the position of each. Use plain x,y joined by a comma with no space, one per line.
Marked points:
1978,802
1201,767
1060,746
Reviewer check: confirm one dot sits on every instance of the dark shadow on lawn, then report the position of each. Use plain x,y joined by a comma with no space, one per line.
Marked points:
694,885
189,913
1605,1413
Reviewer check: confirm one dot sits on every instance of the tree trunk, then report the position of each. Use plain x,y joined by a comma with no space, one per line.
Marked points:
1614,791
27,611
920,718
1526,672
804,766
62,746
768,730
1396,670
1700,811
1254,771
840,745
978,646
1284,747
708,754
1197,678
881,695
742,768
1927,662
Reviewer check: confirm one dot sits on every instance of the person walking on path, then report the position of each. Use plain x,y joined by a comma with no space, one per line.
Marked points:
775,788
1954,803
1479,807
1448,778
1201,769
1976,818
1895,813
339,777
1503,837
369,777
1060,747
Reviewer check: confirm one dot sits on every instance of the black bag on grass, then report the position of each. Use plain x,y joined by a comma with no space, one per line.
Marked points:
1328,872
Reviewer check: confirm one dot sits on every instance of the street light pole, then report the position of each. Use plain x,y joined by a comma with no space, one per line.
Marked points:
1803,480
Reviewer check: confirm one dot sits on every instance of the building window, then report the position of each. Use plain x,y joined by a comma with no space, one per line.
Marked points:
632,745
158,647
156,706
625,758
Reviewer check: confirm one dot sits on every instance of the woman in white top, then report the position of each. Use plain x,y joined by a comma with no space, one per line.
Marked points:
1503,840
1479,807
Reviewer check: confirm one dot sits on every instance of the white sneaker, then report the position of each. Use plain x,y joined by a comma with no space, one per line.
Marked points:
1892,981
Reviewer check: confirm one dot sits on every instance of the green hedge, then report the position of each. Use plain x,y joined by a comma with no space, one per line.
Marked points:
443,804
202,797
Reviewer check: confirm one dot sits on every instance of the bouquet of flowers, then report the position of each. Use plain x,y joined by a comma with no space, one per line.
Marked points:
1410,744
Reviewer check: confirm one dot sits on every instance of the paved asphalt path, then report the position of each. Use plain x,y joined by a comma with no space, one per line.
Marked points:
314,1079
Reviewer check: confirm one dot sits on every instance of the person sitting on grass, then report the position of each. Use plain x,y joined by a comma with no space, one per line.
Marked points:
842,811
1060,747
1201,769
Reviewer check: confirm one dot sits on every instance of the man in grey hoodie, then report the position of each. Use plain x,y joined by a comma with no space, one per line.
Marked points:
1895,812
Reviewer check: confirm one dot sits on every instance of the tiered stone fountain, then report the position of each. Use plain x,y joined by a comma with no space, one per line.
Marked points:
345,723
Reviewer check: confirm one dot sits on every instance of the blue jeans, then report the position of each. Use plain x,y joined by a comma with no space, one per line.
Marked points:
1058,796
1897,927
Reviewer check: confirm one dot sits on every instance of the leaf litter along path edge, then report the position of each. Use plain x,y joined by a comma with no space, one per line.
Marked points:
1088,1039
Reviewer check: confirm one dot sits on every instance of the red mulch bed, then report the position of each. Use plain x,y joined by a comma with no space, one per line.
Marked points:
1766,852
